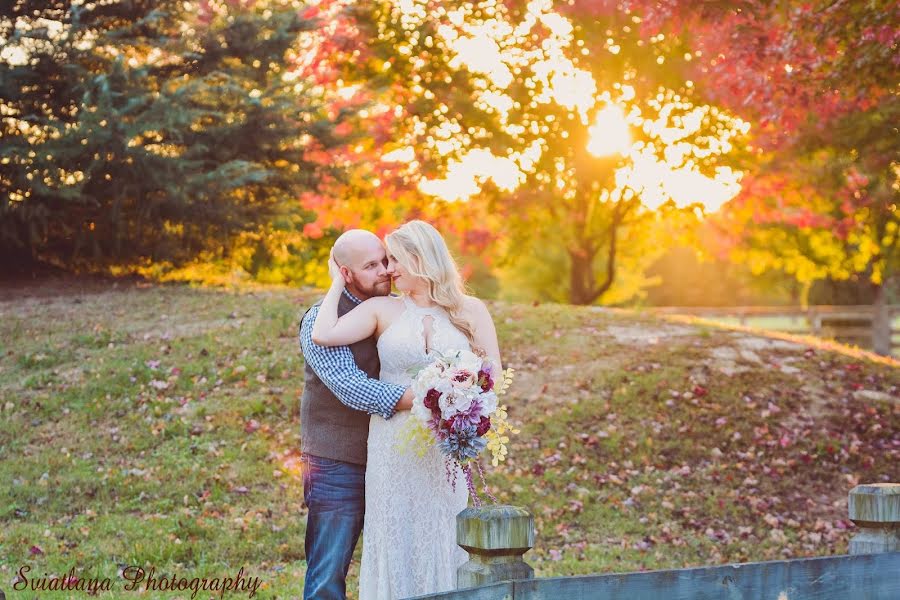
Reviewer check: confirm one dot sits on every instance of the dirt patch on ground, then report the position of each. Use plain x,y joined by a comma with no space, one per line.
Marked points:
67,286
745,354
766,343
645,334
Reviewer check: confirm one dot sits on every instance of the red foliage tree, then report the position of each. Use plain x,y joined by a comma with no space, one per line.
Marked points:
818,79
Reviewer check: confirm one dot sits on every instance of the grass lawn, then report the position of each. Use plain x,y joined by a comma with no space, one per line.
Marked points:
158,426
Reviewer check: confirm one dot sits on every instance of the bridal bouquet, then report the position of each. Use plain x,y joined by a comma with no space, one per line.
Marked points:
456,401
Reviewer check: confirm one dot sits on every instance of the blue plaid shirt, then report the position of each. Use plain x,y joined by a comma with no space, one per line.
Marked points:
337,369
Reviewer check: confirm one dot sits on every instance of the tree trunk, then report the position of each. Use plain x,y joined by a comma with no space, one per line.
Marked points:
881,321
581,280
584,288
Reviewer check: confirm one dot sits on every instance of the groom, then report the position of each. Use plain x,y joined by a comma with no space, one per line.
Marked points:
341,391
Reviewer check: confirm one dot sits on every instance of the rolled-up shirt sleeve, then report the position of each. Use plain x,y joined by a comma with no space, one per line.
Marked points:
339,372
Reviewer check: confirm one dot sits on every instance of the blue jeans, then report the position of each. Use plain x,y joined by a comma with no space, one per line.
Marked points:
334,493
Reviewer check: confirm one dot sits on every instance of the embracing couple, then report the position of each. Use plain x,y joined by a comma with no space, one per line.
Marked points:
362,345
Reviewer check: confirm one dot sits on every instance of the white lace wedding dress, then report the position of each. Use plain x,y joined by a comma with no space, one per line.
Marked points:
409,537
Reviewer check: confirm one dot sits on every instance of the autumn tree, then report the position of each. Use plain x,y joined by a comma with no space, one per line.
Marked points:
818,81
515,110
413,113
622,128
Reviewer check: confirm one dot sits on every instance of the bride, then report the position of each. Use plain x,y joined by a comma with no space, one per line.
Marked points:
409,536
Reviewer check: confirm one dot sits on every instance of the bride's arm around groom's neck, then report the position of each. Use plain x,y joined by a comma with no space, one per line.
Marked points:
356,325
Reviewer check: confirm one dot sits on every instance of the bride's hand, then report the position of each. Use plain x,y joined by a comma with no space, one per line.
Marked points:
334,270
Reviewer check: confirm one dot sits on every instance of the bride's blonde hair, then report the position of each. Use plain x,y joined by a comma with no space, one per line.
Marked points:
421,250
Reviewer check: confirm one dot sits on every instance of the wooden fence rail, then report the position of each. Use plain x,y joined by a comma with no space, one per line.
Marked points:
497,537
848,323
864,577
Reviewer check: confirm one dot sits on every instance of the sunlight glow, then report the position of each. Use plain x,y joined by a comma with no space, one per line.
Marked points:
14,55
661,170
609,134
401,155
573,88
464,177
496,53
482,55
658,182
18,53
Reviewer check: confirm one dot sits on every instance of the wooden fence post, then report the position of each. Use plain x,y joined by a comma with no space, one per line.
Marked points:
875,508
495,537
815,320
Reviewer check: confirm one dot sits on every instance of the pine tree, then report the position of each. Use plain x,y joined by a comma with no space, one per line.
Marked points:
137,131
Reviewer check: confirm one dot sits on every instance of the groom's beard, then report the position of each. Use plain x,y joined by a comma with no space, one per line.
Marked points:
379,288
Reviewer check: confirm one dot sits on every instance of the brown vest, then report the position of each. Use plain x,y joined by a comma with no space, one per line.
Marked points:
329,428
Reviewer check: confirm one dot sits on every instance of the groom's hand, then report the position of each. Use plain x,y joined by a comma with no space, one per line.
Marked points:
405,401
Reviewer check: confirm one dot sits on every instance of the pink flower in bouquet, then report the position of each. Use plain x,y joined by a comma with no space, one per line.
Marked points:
483,426
463,379
454,403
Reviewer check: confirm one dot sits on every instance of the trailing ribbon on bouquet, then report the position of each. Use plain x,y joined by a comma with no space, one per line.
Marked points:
456,409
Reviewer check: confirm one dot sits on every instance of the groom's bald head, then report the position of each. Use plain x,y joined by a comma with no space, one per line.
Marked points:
354,245
364,261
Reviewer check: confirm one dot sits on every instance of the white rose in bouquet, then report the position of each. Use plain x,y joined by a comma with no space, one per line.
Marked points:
488,403
453,403
420,411
427,378
464,360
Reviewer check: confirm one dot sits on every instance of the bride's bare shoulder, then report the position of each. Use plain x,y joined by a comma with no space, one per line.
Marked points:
475,307
385,303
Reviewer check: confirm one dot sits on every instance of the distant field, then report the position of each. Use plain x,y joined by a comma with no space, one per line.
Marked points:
158,426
